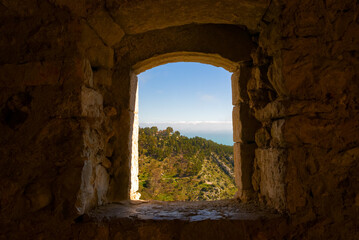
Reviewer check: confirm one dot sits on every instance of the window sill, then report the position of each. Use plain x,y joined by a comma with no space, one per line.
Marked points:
178,210
225,219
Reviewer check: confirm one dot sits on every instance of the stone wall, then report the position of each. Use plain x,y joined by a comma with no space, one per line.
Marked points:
308,146
67,116
56,127
41,138
244,128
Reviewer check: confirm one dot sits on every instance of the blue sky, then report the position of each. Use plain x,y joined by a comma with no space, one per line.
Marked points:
192,95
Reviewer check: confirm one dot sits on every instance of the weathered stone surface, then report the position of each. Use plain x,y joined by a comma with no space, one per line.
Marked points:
88,74
243,165
23,9
39,195
92,46
106,163
193,220
277,133
144,16
110,32
236,99
134,93
121,159
307,56
302,130
110,111
348,158
275,76
76,7
101,56
270,111
103,77
239,81
268,176
134,134
237,124
85,198
94,178
91,103
244,124
134,194
223,42
258,57
260,91
30,74
88,37
101,184
284,108
262,138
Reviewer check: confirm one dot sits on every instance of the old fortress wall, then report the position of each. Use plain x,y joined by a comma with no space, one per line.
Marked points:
68,112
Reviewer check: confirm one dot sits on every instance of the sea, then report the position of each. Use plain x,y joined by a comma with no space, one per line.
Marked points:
219,132
225,138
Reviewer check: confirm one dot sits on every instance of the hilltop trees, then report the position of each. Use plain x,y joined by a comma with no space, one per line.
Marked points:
167,159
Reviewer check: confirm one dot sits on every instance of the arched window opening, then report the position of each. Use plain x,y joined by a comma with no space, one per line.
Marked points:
185,142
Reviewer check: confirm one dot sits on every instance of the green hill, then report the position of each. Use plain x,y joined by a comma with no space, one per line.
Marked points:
173,167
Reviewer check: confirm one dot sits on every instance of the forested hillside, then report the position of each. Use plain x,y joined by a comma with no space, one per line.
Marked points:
174,167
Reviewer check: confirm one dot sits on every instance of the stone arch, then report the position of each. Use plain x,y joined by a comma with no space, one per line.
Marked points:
217,42
219,45
115,58
142,16
212,59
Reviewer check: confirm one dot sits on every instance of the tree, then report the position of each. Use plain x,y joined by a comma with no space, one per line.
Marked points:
154,131
169,130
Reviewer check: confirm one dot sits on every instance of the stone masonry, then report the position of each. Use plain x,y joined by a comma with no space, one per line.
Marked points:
68,111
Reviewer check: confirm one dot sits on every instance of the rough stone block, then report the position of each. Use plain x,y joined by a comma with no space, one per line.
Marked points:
237,124
101,56
244,124
262,138
88,37
92,46
87,73
121,159
272,110
258,57
106,163
85,197
134,195
239,84
243,165
107,29
30,74
102,181
77,7
22,8
275,77
277,133
91,103
270,164
346,159
75,73
236,99
258,79
39,195
134,93
103,77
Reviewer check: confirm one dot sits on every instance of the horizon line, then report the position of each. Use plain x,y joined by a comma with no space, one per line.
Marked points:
189,122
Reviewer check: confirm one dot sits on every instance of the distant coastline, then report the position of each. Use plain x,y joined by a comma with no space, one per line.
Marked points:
225,138
219,132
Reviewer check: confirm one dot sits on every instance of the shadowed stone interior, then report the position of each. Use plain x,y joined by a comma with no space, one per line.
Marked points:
67,113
